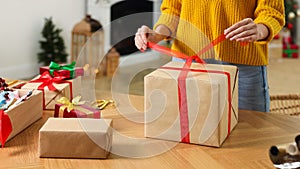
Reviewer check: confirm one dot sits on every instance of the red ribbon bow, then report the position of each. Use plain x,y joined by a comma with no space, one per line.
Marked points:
5,127
48,80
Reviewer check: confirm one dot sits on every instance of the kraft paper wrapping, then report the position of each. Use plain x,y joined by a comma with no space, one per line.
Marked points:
51,97
25,113
207,103
75,138
82,111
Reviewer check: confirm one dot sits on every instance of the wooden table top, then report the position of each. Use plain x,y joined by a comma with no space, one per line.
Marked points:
247,146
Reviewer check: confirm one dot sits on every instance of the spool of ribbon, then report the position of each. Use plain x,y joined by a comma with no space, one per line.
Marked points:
70,105
69,67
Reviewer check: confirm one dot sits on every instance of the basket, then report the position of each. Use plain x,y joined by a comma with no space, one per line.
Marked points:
287,104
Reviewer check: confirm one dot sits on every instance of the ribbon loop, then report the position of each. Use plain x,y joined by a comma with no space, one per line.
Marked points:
48,80
69,67
70,104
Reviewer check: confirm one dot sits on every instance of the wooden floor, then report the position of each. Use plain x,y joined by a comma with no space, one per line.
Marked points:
247,147
284,75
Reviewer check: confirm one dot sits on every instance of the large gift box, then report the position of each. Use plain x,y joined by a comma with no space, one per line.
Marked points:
54,88
196,104
68,70
75,138
19,116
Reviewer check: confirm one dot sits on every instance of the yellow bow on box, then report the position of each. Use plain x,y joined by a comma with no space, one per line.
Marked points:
70,105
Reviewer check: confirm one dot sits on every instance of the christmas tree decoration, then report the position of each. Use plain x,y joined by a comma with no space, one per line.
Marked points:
52,45
291,13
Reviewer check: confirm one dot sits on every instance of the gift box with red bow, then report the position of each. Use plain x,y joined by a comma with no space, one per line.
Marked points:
196,104
290,51
54,88
75,109
67,70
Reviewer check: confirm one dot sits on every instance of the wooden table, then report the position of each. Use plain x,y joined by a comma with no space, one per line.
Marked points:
247,146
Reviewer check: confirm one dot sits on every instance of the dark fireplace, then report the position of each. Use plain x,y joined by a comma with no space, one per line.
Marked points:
124,25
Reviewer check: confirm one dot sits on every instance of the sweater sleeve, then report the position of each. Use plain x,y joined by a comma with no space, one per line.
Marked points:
271,14
170,13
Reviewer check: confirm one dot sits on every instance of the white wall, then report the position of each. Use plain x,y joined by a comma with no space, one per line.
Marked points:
20,31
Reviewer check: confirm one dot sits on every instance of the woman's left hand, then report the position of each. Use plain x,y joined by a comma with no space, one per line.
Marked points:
246,30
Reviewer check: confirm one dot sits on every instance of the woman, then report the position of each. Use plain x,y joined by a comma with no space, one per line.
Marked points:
192,23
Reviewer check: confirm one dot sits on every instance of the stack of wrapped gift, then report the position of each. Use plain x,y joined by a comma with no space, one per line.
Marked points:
56,83
196,105
289,48
75,138
19,109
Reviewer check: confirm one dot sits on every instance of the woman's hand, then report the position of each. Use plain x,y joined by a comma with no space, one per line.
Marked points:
145,34
246,30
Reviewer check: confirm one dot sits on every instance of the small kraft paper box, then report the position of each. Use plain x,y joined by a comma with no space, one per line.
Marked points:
75,138
197,105
54,88
25,113
67,70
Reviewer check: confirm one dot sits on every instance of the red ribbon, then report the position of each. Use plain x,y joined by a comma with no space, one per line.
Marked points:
47,80
5,127
182,101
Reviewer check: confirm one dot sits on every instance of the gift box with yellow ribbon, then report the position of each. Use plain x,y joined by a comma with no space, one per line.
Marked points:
54,88
68,70
75,109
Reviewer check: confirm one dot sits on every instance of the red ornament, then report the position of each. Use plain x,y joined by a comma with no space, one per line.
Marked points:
290,26
277,36
295,6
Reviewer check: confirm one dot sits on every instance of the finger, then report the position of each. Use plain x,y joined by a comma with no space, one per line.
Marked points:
243,34
139,43
250,38
238,25
144,31
241,31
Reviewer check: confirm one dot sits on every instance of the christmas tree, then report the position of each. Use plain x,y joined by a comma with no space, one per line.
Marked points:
52,45
291,13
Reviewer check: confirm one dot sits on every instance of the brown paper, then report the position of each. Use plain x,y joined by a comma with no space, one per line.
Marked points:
75,138
26,112
51,97
207,98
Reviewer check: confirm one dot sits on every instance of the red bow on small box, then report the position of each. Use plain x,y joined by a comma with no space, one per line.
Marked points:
48,80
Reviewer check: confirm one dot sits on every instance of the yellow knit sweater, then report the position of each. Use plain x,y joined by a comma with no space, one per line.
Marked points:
201,21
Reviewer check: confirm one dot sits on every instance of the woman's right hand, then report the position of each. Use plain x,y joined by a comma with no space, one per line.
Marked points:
145,34
141,37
